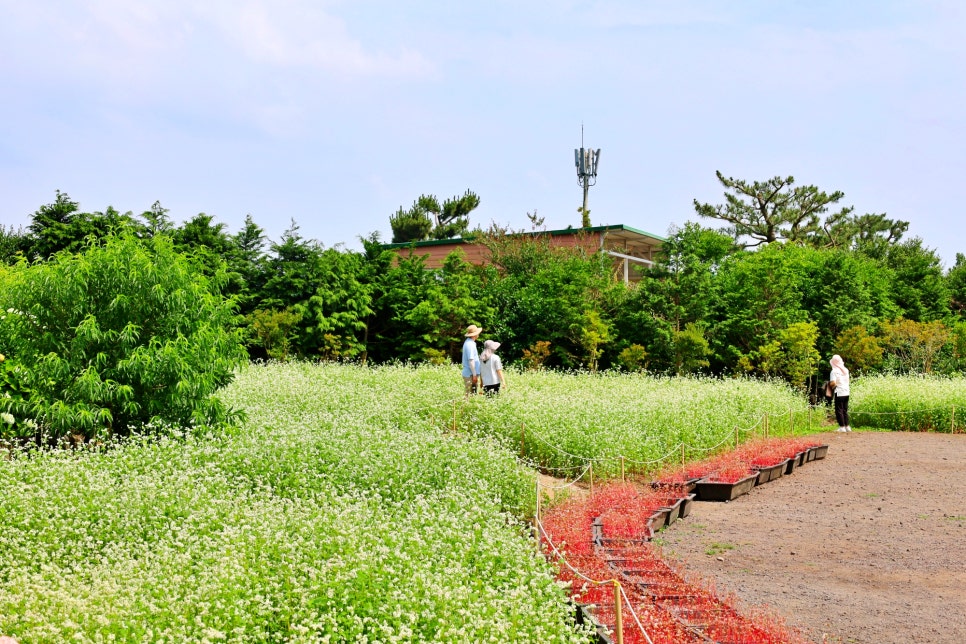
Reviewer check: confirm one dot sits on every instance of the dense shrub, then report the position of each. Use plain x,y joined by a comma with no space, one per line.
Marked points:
123,335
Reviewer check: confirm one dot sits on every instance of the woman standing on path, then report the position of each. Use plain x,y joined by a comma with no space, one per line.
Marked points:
839,381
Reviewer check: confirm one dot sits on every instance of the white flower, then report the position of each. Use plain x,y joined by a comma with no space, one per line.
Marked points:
7,418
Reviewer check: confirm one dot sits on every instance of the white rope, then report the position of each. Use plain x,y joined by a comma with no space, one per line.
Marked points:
666,457
560,556
634,615
566,485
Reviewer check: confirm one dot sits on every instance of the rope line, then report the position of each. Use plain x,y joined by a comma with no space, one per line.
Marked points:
566,485
581,575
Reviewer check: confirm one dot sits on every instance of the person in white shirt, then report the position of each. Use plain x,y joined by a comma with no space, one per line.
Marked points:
491,368
839,381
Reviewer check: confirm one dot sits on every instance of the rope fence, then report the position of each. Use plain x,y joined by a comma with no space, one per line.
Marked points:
586,465
619,594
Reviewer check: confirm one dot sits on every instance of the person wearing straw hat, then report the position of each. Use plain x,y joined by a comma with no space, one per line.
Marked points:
471,359
839,381
491,369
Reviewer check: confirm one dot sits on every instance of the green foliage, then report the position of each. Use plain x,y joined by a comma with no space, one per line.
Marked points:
593,333
913,346
633,358
428,219
918,285
117,338
543,293
326,289
14,244
861,351
771,210
273,331
956,282
691,349
791,355
60,226
410,226
451,299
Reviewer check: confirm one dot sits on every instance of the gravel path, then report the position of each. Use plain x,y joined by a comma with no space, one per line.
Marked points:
867,545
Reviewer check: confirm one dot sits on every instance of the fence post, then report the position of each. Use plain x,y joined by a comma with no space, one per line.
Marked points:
952,421
454,416
683,459
618,620
791,420
590,468
622,469
736,437
536,517
522,436
765,424
809,419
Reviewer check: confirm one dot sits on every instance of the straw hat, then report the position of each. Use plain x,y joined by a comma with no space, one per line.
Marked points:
472,331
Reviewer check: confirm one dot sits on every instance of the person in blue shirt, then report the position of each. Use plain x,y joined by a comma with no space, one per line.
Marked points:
471,359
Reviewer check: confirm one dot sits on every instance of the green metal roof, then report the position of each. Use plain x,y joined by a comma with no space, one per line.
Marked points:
565,231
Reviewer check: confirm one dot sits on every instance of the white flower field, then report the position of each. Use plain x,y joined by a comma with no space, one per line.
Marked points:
345,508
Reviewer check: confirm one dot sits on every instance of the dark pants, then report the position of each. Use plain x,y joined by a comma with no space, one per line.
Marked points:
842,410
491,390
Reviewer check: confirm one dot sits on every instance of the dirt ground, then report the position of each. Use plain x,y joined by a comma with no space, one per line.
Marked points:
867,545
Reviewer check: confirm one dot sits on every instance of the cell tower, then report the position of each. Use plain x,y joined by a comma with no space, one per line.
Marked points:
586,161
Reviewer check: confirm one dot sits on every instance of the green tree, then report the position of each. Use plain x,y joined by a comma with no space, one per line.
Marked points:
449,301
334,317
204,240
273,331
118,338
870,234
919,287
60,226
691,349
428,219
245,258
791,355
771,210
592,334
914,346
861,351
956,283
14,244
756,295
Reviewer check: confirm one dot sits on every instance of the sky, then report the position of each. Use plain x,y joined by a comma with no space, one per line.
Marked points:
334,114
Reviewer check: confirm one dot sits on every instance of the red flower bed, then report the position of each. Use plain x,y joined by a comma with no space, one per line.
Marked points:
670,608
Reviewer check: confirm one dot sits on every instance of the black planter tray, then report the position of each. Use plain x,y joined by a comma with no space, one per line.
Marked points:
721,491
818,453
771,472
676,487
687,504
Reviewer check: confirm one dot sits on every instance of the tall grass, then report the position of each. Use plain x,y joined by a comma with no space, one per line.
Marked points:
562,421
909,403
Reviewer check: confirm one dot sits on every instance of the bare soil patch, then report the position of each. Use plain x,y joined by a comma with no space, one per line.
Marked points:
867,545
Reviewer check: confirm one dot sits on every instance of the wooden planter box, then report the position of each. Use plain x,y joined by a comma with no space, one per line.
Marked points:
720,491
